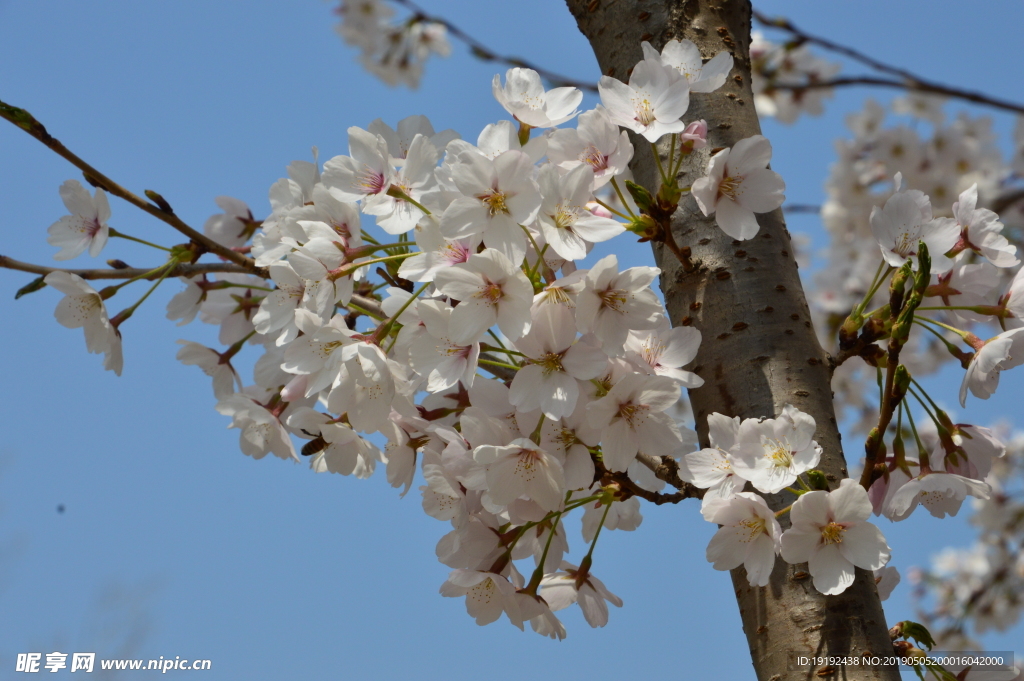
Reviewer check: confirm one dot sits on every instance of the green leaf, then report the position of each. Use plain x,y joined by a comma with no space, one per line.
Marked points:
919,633
643,198
31,287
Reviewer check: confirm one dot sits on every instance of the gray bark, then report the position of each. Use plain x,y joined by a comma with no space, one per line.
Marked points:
759,349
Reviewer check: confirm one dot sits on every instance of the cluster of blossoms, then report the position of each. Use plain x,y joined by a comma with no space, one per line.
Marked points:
780,72
479,248
393,51
829,530
970,591
950,176
892,189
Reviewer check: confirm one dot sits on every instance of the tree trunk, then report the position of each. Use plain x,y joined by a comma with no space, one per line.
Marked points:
759,349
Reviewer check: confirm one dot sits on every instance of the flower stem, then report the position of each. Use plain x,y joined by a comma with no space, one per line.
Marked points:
120,235
622,198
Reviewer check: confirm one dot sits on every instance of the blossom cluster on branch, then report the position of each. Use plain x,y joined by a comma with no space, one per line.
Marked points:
385,281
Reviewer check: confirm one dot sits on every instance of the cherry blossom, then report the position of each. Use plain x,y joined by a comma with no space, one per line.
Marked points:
1004,351
367,172
569,228
554,362
522,469
524,97
905,220
685,57
499,195
780,450
612,303
261,430
738,185
235,226
749,536
86,228
82,307
981,231
490,290
560,591
214,364
632,418
831,534
651,104
596,142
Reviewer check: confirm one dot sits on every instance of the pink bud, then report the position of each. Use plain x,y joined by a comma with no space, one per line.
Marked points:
598,210
695,136
295,389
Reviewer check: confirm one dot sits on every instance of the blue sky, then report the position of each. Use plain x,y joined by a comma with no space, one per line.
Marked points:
174,543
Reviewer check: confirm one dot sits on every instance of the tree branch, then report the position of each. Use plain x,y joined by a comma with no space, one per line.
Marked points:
484,53
27,122
182,270
931,88
908,80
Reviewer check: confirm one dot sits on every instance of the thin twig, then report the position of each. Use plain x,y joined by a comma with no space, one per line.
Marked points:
907,80
181,270
27,122
932,88
481,51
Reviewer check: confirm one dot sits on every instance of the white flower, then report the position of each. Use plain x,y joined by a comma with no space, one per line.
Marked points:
905,220
414,179
367,172
234,226
886,579
522,469
83,307
553,362
436,252
568,227
831,534
781,450
262,432
499,195
487,595
623,515
342,452
435,356
631,417
213,364
663,351
981,230
399,141
1004,351
739,184
490,290
559,590
750,536
685,57
612,303
712,468
939,492
277,310
86,227
596,142
524,97
653,102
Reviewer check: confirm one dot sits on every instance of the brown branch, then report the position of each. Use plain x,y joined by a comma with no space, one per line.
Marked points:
484,53
182,270
932,88
27,122
1004,201
908,80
